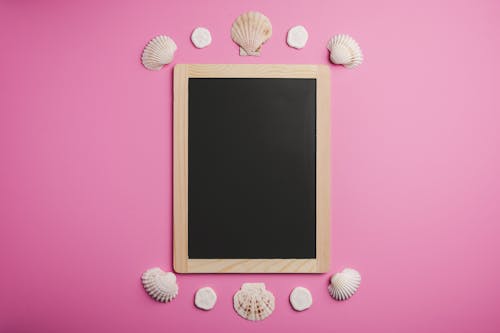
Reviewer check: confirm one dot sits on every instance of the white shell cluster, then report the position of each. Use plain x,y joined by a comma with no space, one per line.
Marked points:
297,37
160,285
253,302
205,298
344,284
301,299
250,30
344,50
158,52
201,37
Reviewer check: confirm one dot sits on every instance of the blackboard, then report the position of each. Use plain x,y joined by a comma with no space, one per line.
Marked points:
261,134
250,177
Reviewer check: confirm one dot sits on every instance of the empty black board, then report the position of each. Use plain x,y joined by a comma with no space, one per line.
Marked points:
252,168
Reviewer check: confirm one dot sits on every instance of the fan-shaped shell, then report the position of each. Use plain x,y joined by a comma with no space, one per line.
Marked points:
160,285
253,301
250,30
344,284
301,298
344,50
159,52
205,298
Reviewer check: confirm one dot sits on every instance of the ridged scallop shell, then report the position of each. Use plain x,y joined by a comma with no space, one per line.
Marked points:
205,298
250,30
160,285
253,302
344,284
300,299
159,52
344,50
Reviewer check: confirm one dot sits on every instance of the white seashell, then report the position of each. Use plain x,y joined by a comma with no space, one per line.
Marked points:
297,37
159,52
301,298
201,37
250,30
344,284
344,50
205,298
160,285
253,301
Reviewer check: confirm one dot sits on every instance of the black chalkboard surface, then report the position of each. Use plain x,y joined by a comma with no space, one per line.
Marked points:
251,168
252,164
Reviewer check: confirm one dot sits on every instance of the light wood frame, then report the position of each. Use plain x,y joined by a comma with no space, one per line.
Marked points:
182,263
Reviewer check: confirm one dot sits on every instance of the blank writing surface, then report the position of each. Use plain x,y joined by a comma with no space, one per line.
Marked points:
252,168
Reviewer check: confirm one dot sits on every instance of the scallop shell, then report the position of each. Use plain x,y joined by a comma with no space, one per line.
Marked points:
344,50
297,37
253,302
159,52
205,298
344,284
160,285
301,299
201,37
250,30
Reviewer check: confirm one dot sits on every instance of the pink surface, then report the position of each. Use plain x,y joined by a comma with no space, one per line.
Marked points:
85,171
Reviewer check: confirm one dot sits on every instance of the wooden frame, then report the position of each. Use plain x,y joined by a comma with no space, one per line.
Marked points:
182,263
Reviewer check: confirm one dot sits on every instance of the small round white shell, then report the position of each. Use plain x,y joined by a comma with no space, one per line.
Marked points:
201,37
205,298
297,37
158,52
301,299
344,284
160,285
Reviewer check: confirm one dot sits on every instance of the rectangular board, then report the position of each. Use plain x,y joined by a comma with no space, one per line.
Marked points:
251,168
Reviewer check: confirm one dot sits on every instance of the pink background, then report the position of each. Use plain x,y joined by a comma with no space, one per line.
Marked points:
85,171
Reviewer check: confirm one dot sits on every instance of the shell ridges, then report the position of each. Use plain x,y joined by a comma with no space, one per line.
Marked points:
158,52
253,302
250,30
344,284
160,285
344,50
